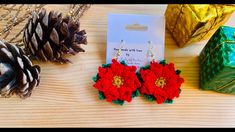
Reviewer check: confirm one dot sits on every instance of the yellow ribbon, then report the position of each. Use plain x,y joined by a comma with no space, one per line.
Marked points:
223,86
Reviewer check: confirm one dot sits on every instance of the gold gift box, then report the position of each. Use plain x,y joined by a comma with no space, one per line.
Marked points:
189,23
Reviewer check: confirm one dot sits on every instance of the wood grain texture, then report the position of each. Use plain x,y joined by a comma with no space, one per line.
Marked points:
66,98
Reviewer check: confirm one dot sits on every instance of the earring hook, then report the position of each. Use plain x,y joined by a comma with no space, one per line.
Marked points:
150,51
118,53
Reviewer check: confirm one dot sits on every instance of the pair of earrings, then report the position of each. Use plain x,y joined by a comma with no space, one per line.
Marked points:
117,82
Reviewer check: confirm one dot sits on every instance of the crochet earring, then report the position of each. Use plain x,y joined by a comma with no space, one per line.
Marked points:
160,81
117,82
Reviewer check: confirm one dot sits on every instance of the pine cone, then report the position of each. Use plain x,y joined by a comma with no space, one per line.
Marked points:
17,75
49,36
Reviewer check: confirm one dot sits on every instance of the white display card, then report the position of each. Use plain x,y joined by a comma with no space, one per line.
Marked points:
136,31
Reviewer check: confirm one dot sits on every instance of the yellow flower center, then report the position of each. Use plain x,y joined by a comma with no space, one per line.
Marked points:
160,82
117,81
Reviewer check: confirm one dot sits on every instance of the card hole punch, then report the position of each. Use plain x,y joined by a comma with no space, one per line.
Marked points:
136,27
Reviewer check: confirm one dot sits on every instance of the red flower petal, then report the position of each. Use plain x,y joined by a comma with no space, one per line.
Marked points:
163,91
156,68
148,75
111,94
171,67
172,93
122,91
125,94
160,96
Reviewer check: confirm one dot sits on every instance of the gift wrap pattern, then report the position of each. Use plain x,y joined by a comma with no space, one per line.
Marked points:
217,62
189,23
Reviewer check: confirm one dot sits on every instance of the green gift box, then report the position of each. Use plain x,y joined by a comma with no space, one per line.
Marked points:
217,62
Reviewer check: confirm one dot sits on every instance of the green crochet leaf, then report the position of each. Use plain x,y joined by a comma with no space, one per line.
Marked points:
149,97
178,72
168,102
105,65
139,77
138,74
119,102
145,67
101,95
135,93
163,62
124,63
95,78
180,91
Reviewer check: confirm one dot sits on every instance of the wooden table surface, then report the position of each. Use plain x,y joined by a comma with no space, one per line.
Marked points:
66,98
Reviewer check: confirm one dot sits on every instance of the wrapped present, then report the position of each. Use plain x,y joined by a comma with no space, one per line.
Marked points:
217,62
189,23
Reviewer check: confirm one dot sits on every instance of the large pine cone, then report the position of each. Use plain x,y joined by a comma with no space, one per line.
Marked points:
17,75
49,36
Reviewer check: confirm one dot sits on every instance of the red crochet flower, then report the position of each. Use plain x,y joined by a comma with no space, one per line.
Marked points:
117,82
160,82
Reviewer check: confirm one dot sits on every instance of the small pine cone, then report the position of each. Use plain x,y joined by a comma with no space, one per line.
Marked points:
17,75
49,36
